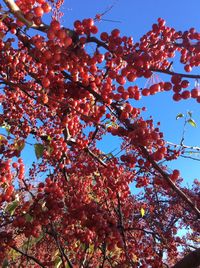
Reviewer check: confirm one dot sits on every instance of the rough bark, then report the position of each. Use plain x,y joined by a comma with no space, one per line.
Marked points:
192,260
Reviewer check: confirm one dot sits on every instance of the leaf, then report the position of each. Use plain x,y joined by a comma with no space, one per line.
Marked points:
135,258
57,262
43,204
189,113
19,145
13,254
192,122
49,149
49,138
111,124
12,206
179,116
83,246
109,155
5,263
17,197
6,126
91,249
39,149
57,252
28,217
142,211
36,240
2,138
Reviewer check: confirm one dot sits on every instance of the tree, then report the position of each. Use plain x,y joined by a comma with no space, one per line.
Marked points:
74,208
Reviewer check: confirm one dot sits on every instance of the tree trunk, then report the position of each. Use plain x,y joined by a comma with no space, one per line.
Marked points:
192,260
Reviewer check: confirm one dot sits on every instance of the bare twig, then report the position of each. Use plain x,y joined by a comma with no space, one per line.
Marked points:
184,146
28,256
61,249
95,157
166,71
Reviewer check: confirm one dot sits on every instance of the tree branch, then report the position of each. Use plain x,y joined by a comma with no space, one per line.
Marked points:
184,146
174,73
16,11
170,182
95,157
61,249
28,256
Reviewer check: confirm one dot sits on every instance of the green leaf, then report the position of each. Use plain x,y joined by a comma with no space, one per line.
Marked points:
36,240
57,262
39,149
19,145
17,197
49,138
28,217
12,206
91,249
192,122
5,263
2,138
111,124
83,246
57,252
142,211
6,126
179,116
49,149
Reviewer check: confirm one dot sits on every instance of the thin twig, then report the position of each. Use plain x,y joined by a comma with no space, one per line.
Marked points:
184,146
95,157
28,256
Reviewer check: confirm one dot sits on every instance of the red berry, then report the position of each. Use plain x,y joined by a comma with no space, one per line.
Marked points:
177,97
104,36
46,7
38,11
45,82
94,29
55,25
186,94
67,41
176,79
61,34
167,86
115,33
188,68
195,93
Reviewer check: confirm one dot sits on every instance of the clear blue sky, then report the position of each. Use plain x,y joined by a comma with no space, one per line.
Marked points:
136,18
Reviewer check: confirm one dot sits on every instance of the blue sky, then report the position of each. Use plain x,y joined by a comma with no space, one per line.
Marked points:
136,18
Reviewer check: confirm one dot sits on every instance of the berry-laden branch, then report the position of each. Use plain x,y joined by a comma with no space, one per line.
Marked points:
16,11
90,39
171,183
62,251
67,97
154,164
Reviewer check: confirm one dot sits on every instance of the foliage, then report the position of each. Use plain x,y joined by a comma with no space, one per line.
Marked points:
73,207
